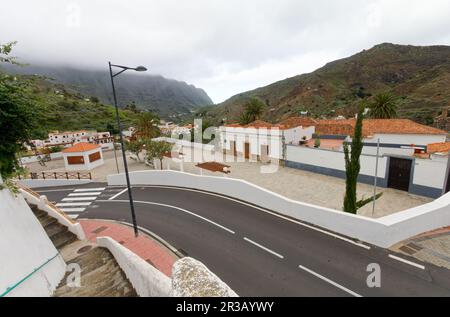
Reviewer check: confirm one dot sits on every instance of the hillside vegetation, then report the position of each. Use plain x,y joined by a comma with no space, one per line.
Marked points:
60,108
169,98
419,76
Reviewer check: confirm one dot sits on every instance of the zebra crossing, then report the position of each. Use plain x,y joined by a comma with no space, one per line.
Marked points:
77,201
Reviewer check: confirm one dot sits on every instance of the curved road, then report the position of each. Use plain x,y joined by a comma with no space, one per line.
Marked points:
259,253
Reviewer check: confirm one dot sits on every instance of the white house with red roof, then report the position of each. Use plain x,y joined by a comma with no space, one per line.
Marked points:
264,141
83,156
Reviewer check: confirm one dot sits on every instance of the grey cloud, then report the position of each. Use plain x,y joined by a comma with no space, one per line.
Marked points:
223,46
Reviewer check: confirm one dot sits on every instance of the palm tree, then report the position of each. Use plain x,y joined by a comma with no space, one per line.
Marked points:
384,106
147,125
253,111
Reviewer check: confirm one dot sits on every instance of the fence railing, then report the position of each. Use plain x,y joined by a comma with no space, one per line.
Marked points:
61,175
48,203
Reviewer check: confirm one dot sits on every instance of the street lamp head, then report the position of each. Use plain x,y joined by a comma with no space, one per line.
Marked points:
140,69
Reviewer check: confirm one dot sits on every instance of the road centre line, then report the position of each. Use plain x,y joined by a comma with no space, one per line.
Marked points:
269,212
323,278
173,207
118,194
264,248
407,262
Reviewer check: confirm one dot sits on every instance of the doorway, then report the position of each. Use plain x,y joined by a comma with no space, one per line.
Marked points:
399,173
247,150
233,148
264,153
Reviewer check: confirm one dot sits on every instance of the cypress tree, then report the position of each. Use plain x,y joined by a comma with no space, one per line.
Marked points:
353,166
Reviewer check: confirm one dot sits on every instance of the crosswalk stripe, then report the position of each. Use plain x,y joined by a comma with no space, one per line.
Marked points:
72,204
73,216
85,194
89,189
79,199
73,209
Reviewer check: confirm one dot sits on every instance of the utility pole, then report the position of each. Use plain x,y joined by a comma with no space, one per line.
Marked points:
376,178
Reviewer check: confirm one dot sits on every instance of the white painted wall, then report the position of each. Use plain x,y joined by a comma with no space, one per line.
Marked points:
257,138
87,164
25,246
430,173
417,139
146,280
42,204
334,160
368,150
383,232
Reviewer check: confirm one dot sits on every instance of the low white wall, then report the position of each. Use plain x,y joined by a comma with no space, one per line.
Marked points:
206,147
56,156
334,160
25,246
42,204
430,173
381,232
38,183
146,280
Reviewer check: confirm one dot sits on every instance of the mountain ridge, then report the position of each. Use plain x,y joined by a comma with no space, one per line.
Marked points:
170,98
418,75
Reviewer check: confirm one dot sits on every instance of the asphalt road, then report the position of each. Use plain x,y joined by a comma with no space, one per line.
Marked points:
259,253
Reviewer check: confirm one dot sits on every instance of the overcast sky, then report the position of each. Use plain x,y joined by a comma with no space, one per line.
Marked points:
223,46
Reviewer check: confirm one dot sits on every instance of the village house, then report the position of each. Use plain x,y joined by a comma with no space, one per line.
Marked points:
395,136
412,157
83,156
264,141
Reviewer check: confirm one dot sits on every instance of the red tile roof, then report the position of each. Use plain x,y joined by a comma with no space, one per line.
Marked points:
296,122
81,147
438,148
346,127
374,126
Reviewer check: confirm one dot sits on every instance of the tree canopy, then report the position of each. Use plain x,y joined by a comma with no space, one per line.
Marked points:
384,106
253,111
17,117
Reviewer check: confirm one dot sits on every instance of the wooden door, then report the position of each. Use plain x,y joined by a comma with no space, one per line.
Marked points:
400,173
233,148
247,150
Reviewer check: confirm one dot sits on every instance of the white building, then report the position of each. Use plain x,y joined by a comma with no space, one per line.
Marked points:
265,141
396,136
83,156
71,137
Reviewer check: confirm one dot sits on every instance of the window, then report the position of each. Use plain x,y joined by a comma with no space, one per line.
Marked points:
94,157
75,160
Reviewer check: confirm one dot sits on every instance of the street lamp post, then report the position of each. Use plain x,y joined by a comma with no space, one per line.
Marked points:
119,125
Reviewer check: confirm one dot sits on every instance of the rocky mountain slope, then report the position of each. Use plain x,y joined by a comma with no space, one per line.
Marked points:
167,97
419,76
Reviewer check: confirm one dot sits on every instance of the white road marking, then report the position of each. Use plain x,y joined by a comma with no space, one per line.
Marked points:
72,204
85,194
264,248
272,213
118,194
55,190
407,262
73,216
79,199
173,207
323,278
73,209
89,189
